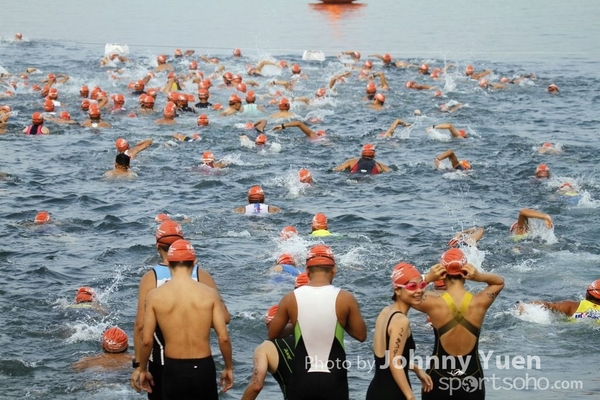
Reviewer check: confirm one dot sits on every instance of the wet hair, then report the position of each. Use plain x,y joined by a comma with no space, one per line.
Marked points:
122,159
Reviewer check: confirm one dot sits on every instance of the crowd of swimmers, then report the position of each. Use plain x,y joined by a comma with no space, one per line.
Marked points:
305,350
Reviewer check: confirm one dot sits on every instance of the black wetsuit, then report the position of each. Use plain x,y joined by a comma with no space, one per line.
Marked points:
203,105
383,386
283,374
365,166
449,381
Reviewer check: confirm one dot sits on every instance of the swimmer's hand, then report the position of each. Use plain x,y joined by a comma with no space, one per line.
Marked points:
146,381
471,273
226,380
436,273
426,382
548,221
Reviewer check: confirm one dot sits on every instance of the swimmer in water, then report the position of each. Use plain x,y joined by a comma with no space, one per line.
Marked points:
115,344
304,176
393,126
521,226
256,204
168,115
588,309
285,263
319,226
284,110
37,125
4,117
365,164
299,124
95,119
542,171
469,237
378,102
456,133
235,105
549,148
462,165
85,298
162,64
64,118
208,160
251,108
122,169
122,146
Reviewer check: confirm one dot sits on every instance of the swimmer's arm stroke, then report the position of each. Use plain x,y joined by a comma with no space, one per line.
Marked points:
382,167
566,307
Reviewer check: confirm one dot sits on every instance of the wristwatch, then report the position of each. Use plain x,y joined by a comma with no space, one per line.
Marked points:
135,364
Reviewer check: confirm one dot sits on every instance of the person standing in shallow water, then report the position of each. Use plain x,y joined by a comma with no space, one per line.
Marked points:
393,341
456,317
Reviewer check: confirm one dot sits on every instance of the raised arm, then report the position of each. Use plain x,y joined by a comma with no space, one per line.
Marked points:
495,284
393,126
527,213
383,84
141,146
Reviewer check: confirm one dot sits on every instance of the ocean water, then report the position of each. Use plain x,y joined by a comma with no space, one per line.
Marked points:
102,235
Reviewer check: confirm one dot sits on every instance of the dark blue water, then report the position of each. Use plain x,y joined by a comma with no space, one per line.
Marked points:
103,230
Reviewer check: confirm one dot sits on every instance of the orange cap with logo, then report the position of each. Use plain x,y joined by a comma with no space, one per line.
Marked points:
85,294
319,221
168,232
320,256
181,250
42,217
403,273
453,261
115,340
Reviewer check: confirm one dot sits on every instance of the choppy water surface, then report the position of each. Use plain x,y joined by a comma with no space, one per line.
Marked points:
103,235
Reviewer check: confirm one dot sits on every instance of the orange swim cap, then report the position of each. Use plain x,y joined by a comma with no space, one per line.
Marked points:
287,259
181,250
305,176
121,145
542,170
424,68
319,221
296,69
403,273
250,96
261,139
462,133
256,195
371,88
368,64
271,314
53,93
241,87
321,92
368,151
320,256
301,280
284,104
234,98
237,52
48,105
161,59
85,294
440,285
42,217
465,164
552,88
85,105
469,70
202,120
409,84
594,289
168,232
288,232
65,115
380,97
37,118
208,157
114,340
453,261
